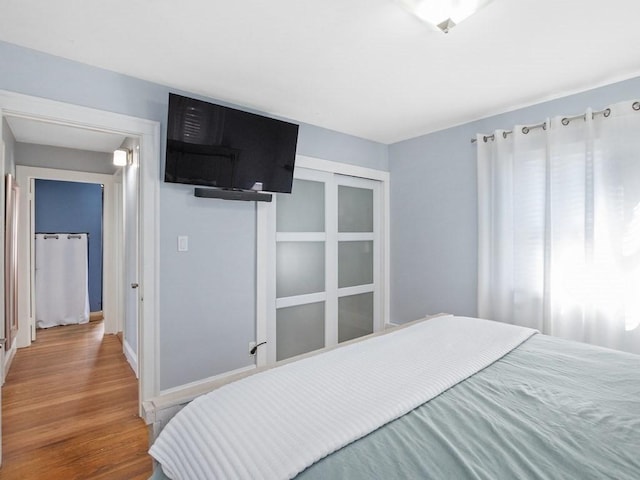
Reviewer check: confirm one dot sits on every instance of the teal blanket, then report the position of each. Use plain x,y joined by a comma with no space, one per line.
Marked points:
550,409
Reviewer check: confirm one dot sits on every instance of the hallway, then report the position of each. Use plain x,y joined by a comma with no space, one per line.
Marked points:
69,410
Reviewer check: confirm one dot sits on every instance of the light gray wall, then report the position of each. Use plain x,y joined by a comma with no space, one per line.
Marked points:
212,285
207,295
433,206
46,156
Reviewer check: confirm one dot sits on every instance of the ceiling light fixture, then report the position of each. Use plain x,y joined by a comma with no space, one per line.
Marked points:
120,157
444,14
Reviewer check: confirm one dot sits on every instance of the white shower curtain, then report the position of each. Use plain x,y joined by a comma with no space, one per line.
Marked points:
559,227
61,279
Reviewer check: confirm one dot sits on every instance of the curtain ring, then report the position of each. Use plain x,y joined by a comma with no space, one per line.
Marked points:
544,126
606,112
636,106
504,134
484,138
565,121
525,130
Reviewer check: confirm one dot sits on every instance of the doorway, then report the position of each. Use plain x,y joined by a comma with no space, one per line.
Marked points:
336,228
68,235
64,116
111,305
328,262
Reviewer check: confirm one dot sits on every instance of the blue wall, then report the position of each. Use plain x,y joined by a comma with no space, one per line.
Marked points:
207,295
434,217
72,207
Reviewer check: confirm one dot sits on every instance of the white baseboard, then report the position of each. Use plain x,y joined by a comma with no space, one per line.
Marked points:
188,387
131,357
158,411
8,358
392,324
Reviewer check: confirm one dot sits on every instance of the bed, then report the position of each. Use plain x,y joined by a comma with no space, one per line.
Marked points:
502,402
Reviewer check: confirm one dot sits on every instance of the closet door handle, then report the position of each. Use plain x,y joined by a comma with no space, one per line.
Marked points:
134,285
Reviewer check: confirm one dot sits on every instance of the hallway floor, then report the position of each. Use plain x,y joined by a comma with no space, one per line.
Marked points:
69,410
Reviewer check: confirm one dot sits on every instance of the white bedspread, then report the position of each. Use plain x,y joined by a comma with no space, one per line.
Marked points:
276,423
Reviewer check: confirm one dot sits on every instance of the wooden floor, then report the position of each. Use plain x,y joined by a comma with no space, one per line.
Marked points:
70,410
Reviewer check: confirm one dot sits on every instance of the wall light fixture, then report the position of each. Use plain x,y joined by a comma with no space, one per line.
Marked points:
121,157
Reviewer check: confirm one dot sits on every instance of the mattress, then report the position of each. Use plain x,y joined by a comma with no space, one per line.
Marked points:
548,409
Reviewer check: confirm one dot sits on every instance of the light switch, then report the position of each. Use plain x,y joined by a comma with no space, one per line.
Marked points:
183,243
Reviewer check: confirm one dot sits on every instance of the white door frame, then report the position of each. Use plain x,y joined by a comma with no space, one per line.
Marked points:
148,133
265,248
5,356
25,176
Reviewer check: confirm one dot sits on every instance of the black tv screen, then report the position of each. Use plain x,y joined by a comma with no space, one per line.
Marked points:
217,146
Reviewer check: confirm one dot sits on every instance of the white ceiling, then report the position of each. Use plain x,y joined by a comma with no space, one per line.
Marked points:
26,130
363,67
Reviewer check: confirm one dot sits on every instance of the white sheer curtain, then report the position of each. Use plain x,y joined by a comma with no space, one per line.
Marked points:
559,227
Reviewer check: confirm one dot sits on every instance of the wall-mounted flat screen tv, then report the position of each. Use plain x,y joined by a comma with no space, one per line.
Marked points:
216,146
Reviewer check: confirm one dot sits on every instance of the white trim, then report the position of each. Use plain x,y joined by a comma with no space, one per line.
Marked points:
148,349
157,411
26,175
341,168
269,316
357,290
294,301
385,282
301,236
262,283
379,318
5,354
356,236
131,357
8,359
148,132
331,261
183,390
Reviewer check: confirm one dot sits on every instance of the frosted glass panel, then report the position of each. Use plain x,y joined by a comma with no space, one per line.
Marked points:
303,209
299,268
355,316
299,329
355,263
355,209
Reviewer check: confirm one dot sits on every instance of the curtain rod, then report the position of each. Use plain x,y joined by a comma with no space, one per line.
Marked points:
57,235
565,121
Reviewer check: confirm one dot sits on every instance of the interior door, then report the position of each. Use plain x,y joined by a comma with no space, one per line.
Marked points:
328,263
132,290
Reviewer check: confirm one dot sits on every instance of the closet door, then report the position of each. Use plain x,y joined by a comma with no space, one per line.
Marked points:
302,264
358,259
327,262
